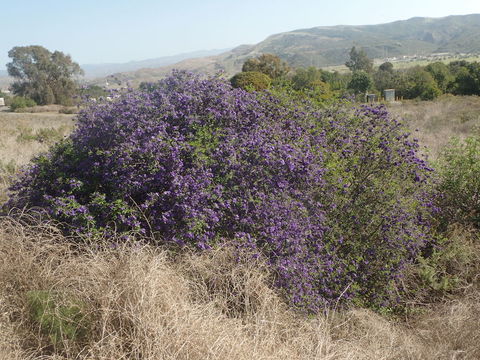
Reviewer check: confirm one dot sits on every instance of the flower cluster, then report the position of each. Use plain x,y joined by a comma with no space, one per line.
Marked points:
336,200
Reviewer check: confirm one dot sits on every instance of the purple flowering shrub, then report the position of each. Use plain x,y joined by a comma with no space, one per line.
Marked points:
336,200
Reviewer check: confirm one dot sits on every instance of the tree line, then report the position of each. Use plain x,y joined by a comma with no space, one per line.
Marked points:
43,77
422,82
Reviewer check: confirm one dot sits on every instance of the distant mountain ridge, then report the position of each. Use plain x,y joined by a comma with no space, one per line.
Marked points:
97,70
330,45
105,69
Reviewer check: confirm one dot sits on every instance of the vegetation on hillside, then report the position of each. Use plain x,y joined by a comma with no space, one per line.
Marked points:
330,45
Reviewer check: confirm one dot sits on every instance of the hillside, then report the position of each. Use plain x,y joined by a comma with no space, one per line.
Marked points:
323,46
329,45
93,71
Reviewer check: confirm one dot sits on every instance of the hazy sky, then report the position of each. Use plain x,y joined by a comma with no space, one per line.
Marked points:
99,31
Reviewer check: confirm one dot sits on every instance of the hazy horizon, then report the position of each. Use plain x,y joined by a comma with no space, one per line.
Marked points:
122,31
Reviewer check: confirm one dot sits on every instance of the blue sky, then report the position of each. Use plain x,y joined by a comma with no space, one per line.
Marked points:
99,31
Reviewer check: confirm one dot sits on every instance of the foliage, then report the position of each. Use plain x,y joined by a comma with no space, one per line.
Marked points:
269,64
310,78
467,79
338,82
43,76
359,61
93,91
20,102
57,318
335,200
386,66
254,80
360,82
307,84
441,75
417,83
450,267
459,172
384,80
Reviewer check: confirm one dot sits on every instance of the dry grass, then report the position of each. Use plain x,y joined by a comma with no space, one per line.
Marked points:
23,136
12,125
144,303
439,120
52,109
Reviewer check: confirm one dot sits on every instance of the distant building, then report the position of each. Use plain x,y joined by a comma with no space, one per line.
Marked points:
389,95
2,102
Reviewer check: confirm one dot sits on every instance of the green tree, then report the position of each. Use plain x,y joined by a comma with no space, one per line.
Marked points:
359,61
416,82
387,67
360,82
19,102
43,76
384,77
309,78
309,83
441,74
456,66
254,80
267,64
467,79
337,81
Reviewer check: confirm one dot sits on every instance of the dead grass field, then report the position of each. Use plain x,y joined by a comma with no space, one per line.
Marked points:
15,145
24,135
439,120
140,302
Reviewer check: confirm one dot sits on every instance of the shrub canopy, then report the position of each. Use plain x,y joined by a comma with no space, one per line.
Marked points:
335,200
251,80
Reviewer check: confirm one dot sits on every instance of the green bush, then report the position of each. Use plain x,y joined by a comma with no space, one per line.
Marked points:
251,80
459,185
450,267
360,82
58,318
20,102
415,83
335,199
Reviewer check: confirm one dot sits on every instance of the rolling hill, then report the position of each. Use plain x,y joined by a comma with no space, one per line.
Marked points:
96,70
329,45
